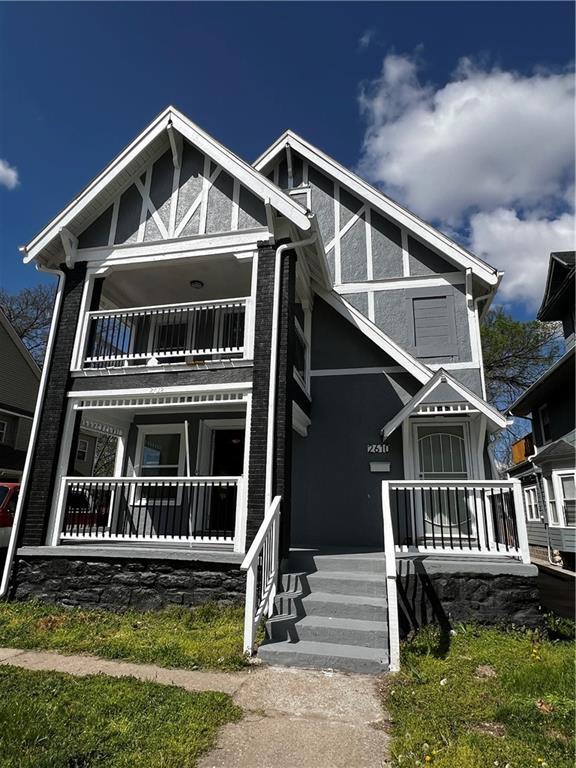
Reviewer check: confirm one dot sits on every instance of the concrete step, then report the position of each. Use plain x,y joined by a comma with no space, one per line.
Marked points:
372,562
326,629
331,605
347,583
315,655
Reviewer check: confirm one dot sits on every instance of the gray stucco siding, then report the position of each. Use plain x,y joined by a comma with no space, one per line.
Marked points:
392,314
252,212
219,213
353,253
322,202
349,206
128,216
97,233
470,377
424,261
191,179
359,301
161,186
337,499
386,248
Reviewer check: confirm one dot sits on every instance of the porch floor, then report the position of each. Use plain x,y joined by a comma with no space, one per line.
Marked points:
139,552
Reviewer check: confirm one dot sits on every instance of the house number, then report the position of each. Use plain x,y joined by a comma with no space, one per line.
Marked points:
378,448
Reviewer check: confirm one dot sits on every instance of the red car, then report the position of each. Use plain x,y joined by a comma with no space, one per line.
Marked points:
8,498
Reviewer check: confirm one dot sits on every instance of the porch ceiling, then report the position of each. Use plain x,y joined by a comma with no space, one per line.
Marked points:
169,282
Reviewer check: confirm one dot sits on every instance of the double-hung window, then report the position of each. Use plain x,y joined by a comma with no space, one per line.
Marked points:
82,450
531,504
545,428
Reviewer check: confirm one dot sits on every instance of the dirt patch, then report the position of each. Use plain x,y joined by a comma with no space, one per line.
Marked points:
491,729
485,671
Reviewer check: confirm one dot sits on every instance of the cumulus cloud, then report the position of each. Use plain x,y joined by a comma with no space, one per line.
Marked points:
520,247
8,175
489,154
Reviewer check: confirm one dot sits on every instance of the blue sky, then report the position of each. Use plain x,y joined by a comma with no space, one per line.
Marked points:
370,83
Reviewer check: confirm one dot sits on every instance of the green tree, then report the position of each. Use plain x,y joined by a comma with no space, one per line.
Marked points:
30,313
515,354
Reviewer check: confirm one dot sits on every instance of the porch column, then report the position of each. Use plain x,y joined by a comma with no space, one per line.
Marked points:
283,412
42,479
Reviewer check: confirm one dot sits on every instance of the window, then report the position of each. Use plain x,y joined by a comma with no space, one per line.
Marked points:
545,429
551,498
566,496
531,504
82,450
433,323
3,431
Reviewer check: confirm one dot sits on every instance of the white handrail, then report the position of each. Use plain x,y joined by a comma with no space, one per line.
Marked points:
264,551
161,307
391,586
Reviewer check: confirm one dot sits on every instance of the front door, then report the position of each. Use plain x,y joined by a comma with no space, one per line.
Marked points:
441,454
227,461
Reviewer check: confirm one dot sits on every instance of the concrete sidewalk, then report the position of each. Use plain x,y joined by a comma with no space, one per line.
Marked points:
294,718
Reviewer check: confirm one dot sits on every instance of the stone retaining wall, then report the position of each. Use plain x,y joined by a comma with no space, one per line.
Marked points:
117,585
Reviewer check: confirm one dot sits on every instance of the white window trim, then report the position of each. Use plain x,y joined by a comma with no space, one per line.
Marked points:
541,423
559,498
82,447
531,518
156,429
3,431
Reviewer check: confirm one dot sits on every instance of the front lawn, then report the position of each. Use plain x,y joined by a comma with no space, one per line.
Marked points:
497,698
49,720
207,637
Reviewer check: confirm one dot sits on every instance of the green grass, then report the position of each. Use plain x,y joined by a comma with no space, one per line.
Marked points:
207,637
520,714
53,720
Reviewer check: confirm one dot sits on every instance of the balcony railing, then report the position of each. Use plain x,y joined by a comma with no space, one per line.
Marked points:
149,509
457,516
205,330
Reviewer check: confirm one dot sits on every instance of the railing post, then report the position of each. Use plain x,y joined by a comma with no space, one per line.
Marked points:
62,497
250,608
391,588
521,521
274,543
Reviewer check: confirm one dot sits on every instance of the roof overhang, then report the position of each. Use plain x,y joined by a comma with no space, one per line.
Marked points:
424,401
523,405
168,122
430,236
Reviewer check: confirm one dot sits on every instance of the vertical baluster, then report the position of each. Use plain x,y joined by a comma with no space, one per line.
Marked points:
504,519
495,522
441,497
431,500
476,519
469,514
458,516
513,518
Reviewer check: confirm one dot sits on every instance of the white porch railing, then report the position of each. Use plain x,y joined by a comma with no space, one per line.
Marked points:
262,566
165,333
148,509
463,516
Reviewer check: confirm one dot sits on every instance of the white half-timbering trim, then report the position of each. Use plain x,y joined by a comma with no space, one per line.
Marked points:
401,283
195,245
69,245
344,308
235,205
300,421
337,252
254,181
464,366
402,217
405,253
174,200
369,262
494,418
114,222
357,371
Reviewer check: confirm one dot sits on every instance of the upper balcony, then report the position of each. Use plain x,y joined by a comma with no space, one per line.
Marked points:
188,314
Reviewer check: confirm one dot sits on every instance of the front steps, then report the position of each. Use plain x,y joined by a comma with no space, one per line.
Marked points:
331,614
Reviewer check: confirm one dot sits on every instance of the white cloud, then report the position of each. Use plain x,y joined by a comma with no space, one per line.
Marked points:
488,138
520,247
488,157
366,38
8,175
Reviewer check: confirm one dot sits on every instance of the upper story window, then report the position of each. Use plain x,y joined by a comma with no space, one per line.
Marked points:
531,503
82,450
545,428
433,322
3,431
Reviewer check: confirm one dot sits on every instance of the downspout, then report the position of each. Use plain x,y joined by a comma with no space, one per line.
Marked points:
274,362
34,431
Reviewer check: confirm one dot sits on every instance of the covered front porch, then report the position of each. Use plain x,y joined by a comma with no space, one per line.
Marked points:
169,472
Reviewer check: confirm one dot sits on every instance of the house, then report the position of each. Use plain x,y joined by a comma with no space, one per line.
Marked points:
289,365
545,460
18,391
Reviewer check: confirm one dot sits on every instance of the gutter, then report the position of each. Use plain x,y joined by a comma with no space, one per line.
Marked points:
34,431
274,361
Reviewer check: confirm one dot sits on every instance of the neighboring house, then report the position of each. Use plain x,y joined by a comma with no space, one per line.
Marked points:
545,460
284,358
19,382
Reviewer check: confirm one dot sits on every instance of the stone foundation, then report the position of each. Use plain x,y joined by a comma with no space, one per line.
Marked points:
118,585
430,592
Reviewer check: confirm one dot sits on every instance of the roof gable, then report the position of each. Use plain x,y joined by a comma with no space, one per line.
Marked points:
137,196
442,390
363,208
559,282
